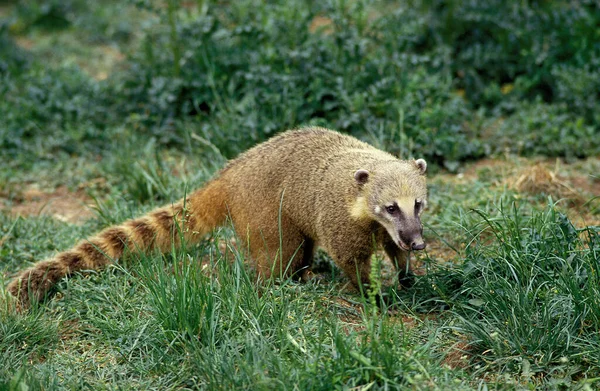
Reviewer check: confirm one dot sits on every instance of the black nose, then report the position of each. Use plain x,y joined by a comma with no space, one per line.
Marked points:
418,246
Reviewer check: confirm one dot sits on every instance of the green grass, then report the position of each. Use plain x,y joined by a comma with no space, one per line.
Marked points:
520,299
535,294
509,294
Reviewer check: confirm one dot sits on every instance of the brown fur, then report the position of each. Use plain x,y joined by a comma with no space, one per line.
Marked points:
299,190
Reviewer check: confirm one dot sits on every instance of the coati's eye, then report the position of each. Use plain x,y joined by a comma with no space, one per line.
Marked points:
418,204
391,209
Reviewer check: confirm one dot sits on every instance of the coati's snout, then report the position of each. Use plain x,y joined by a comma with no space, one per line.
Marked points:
410,232
410,229
412,240
419,245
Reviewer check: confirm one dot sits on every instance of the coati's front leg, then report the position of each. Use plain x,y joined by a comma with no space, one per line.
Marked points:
280,253
353,257
357,268
303,266
401,260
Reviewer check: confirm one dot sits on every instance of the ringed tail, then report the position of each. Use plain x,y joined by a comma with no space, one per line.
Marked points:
204,210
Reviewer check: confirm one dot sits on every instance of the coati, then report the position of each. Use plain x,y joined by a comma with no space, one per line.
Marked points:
299,190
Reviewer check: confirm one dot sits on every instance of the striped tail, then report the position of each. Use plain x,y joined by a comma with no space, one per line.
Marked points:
204,210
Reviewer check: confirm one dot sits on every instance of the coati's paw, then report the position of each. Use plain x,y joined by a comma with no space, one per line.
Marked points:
406,280
308,275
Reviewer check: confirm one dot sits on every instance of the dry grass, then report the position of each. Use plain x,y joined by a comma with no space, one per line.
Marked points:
539,179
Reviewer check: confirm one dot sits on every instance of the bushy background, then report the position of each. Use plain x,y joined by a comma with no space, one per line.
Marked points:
449,81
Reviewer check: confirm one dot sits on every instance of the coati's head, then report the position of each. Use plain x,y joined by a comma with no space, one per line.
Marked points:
394,193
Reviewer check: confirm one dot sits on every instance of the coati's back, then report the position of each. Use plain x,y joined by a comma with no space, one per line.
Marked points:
294,172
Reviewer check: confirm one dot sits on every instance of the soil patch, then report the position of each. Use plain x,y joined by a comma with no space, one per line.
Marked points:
458,355
61,204
322,24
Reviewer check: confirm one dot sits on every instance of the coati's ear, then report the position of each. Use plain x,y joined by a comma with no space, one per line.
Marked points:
421,165
361,176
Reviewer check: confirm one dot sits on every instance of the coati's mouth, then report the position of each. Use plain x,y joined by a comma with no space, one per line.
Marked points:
414,247
397,238
403,246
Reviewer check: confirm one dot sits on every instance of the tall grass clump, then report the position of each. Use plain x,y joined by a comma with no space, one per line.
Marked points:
184,297
532,285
